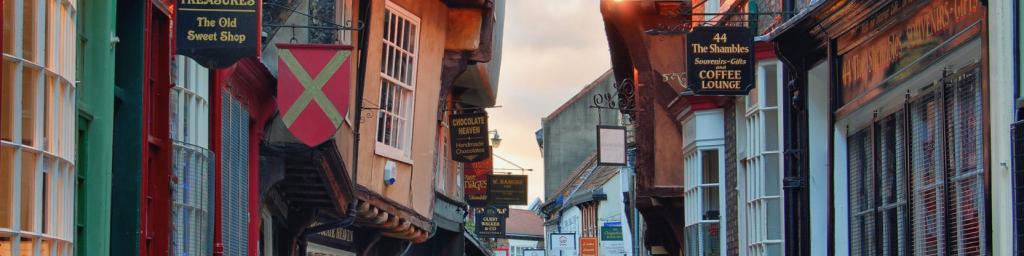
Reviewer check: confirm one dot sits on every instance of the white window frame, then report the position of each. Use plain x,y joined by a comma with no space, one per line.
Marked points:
190,133
697,141
405,83
754,198
52,174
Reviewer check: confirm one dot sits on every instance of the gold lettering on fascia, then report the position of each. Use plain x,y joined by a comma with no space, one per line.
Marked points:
869,61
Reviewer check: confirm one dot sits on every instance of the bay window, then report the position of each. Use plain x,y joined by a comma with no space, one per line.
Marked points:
703,167
760,176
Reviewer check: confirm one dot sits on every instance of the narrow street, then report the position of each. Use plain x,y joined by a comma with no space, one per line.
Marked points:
511,127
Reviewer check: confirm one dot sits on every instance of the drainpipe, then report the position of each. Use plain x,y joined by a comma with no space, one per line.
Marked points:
350,215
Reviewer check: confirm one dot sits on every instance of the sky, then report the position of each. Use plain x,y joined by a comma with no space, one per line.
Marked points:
551,50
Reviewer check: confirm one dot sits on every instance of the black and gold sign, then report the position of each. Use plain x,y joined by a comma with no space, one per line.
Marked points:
469,137
490,223
216,33
720,60
507,190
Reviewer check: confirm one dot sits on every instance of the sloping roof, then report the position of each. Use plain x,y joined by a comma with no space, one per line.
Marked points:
585,179
524,222
580,94
574,179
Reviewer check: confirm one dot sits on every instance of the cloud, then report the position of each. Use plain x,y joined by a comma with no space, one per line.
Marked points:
552,49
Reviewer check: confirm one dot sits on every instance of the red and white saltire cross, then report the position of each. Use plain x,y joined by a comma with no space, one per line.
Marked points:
313,89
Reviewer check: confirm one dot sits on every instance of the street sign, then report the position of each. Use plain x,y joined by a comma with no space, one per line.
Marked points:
611,233
588,246
475,177
507,190
469,137
312,89
611,141
720,60
217,33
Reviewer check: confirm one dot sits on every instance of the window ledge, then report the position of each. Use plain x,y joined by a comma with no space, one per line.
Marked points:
392,153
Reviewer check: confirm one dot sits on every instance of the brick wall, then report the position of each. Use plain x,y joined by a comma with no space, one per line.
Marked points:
731,194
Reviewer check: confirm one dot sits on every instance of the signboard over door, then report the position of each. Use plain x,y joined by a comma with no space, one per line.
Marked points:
507,190
720,60
469,137
217,33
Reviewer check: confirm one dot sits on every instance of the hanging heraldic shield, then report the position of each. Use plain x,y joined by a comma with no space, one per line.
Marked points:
611,145
313,89
217,33
469,137
720,60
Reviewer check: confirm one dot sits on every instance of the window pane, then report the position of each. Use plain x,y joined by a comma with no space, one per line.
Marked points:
771,175
773,218
6,186
5,241
711,203
9,27
711,237
26,246
28,189
29,29
7,94
44,249
30,79
709,164
771,86
771,129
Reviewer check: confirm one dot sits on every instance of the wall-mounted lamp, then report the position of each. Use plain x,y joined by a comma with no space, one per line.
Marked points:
496,140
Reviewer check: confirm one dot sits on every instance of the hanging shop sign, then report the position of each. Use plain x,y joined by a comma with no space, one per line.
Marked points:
588,246
720,60
490,223
475,177
563,241
925,33
216,33
312,89
611,145
469,137
507,190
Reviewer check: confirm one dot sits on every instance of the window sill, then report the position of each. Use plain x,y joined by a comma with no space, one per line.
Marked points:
392,153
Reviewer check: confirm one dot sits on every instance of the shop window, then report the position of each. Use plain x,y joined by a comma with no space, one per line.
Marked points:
934,147
234,175
703,202
760,195
398,73
878,199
